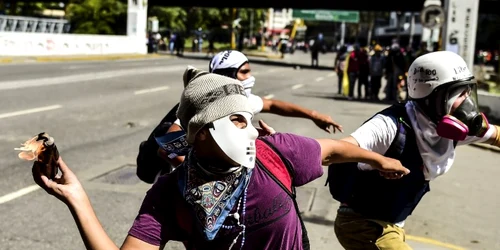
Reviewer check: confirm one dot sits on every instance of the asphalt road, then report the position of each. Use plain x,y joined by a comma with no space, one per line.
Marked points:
99,112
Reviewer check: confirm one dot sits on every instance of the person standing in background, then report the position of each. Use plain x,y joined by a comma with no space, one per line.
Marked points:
377,62
353,70
317,46
340,64
364,72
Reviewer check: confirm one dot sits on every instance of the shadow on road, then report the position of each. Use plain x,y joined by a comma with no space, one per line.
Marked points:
342,98
264,61
317,220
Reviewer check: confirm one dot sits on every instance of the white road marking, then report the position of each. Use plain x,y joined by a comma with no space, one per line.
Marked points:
144,91
297,86
319,79
270,96
78,67
18,193
19,84
331,74
29,111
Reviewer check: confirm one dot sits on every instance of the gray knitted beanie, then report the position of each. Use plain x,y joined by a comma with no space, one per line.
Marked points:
208,97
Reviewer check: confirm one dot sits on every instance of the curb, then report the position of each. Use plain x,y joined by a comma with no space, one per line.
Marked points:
77,58
6,60
268,56
246,53
486,147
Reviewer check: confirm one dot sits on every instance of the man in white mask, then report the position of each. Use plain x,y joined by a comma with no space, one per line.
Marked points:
164,151
234,64
221,197
442,113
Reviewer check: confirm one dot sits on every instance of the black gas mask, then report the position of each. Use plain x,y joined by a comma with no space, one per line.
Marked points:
466,119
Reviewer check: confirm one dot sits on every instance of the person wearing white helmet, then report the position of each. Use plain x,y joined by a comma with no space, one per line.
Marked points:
234,64
170,144
442,113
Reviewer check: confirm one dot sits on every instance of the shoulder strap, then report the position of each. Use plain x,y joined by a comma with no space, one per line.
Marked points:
397,111
280,170
172,114
275,165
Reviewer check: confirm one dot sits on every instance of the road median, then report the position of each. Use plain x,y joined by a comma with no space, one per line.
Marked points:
72,58
263,54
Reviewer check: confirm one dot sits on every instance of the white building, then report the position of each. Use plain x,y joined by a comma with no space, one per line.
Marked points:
277,20
420,33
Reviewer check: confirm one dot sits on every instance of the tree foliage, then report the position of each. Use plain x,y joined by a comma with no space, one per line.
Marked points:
170,18
109,17
105,17
27,8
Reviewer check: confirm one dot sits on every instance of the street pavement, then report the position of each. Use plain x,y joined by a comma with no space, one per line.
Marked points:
99,112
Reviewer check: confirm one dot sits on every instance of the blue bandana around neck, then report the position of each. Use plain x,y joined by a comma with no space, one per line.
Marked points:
211,197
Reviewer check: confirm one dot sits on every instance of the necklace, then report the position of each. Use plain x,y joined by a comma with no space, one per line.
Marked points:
236,216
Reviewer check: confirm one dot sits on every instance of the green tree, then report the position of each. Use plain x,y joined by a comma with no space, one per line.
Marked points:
170,18
32,9
248,22
104,17
207,18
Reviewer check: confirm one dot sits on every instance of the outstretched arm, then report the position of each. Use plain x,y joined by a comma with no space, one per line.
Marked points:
338,151
93,234
278,107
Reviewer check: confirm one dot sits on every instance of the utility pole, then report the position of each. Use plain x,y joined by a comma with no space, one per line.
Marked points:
233,35
342,33
398,25
412,29
250,32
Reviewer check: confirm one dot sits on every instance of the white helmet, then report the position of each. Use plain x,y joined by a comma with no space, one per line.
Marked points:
436,79
435,69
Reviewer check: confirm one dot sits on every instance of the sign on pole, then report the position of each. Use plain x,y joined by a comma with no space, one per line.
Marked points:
327,15
432,17
459,34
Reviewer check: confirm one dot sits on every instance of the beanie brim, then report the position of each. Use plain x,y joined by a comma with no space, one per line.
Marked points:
218,109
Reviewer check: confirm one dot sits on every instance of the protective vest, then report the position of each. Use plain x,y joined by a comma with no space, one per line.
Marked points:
374,196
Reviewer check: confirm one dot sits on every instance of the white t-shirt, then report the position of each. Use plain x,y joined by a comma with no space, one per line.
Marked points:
378,133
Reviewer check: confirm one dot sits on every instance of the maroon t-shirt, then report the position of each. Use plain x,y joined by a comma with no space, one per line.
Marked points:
271,220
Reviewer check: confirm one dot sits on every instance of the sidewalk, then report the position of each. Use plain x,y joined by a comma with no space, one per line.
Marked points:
57,58
249,53
255,56
299,59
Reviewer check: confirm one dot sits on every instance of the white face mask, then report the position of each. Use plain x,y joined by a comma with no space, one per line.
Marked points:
238,144
248,85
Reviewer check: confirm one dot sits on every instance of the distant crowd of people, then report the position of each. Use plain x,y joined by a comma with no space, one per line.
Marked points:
366,66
